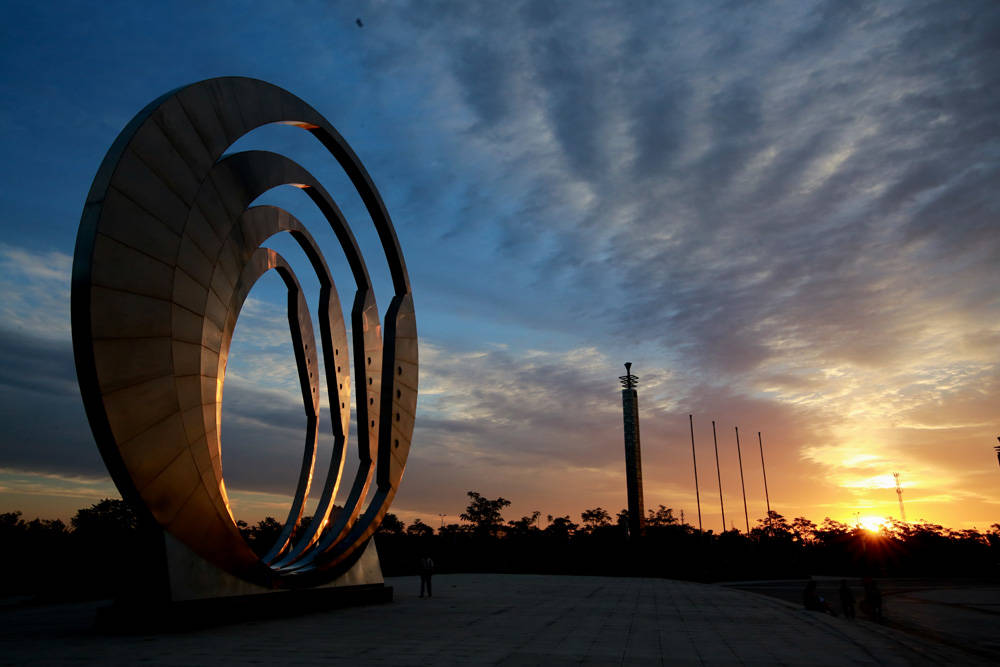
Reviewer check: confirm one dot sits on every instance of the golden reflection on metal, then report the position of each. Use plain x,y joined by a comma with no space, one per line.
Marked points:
167,252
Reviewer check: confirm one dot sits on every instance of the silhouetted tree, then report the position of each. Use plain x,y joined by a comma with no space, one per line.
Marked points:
46,529
662,516
262,536
419,529
484,514
773,526
301,529
526,525
831,532
560,527
109,549
10,522
109,519
454,530
595,518
804,529
391,525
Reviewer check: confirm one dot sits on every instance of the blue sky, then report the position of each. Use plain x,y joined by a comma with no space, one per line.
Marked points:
785,214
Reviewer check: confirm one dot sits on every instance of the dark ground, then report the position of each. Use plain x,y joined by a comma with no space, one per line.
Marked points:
964,613
491,619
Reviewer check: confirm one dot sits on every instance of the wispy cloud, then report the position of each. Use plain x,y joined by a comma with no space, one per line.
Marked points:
34,292
784,214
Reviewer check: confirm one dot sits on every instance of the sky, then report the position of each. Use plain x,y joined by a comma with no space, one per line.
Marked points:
784,214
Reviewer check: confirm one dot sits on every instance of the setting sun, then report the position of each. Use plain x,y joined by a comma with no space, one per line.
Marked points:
872,524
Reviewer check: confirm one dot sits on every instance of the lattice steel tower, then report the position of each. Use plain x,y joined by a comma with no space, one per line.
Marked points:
633,455
899,494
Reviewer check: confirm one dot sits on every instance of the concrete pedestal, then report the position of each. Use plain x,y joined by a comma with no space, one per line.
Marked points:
202,595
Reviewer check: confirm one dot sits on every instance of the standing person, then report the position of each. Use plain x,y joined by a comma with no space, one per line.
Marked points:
846,599
872,602
426,569
877,602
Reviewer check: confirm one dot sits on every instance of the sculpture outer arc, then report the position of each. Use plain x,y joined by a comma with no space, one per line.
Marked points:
304,347
80,292
365,186
373,202
349,531
401,329
368,347
390,461
259,223
257,172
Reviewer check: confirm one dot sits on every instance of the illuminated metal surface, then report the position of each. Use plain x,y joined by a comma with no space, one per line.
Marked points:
166,255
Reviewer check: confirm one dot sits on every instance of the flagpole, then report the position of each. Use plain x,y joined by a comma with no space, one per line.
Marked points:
764,469
695,459
718,474
746,513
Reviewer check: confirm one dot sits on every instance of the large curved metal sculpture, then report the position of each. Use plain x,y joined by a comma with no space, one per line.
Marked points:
167,252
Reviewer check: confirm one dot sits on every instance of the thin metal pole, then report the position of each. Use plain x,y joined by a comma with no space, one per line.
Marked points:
718,474
695,459
742,485
762,467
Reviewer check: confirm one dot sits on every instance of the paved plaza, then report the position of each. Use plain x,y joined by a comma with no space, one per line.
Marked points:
961,612
486,619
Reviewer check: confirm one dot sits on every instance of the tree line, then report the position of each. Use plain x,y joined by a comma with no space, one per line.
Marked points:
599,544
100,548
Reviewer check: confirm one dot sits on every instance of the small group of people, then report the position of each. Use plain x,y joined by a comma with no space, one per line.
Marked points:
871,604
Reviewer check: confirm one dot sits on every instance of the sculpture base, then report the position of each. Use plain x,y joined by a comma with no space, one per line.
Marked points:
208,612
191,577
191,593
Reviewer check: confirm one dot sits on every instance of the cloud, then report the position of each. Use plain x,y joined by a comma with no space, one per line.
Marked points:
740,193
784,214
35,292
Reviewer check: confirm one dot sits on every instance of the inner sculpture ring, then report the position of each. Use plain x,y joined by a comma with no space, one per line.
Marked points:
167,252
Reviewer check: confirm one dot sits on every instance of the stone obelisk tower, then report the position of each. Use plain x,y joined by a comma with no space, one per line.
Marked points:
633,456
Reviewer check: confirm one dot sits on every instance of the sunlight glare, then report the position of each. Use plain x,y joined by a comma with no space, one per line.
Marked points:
872,524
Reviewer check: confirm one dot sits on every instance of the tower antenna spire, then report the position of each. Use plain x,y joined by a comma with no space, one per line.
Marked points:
899,494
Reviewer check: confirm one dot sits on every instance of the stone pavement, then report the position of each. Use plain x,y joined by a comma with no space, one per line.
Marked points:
961,615
486,619
964,613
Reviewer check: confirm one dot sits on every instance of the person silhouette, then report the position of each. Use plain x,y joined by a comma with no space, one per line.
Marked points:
846,599
872,602
812,601
426,569
810,598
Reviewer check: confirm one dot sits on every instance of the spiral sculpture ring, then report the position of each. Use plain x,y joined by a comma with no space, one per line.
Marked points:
167,252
